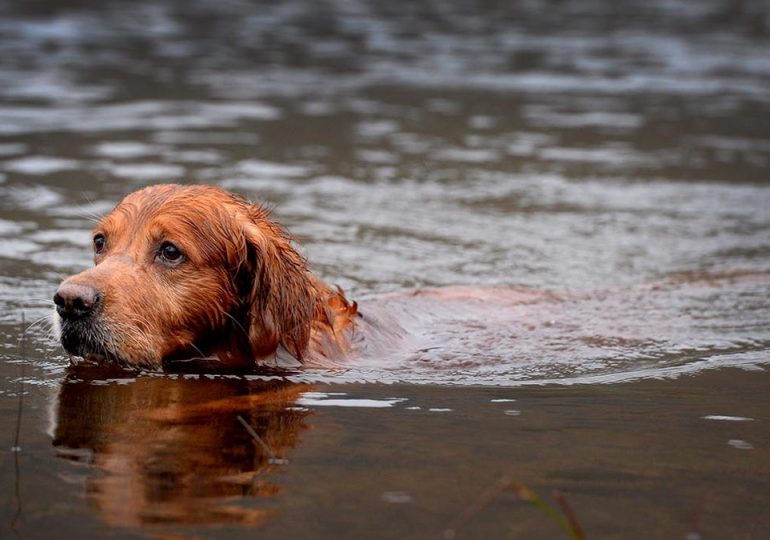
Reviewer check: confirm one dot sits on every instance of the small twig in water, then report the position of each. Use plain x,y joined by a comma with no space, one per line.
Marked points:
22,355
16,449
271,457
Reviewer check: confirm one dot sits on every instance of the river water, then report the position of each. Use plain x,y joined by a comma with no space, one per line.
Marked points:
611,156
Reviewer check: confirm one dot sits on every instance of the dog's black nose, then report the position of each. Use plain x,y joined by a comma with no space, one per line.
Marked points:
76,301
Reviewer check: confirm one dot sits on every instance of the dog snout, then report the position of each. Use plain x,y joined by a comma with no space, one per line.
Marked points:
75,301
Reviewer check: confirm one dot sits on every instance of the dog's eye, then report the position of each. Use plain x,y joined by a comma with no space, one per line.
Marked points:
99,243
169,253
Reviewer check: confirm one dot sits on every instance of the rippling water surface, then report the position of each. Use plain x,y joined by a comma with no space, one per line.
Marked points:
611,158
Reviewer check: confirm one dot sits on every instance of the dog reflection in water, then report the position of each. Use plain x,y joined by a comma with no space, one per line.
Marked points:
173,452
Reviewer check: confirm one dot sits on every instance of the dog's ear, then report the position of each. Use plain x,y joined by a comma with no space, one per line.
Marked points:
279,296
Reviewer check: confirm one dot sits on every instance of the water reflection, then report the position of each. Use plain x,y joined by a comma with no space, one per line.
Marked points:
165,450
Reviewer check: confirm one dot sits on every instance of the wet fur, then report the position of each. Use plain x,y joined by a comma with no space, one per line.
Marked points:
243,294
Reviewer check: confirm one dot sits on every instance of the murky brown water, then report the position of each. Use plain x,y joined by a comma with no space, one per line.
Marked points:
613,155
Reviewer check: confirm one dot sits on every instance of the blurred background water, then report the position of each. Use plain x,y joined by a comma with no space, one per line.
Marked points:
615,154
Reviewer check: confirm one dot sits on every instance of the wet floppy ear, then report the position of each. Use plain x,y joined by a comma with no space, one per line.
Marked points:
279,300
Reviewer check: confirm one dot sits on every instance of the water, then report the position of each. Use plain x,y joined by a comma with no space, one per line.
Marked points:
609,159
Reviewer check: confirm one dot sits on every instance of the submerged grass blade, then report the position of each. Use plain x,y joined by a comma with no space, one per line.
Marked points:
577,530
478,505
566,520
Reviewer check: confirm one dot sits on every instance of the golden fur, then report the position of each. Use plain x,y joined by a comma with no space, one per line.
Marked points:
240,293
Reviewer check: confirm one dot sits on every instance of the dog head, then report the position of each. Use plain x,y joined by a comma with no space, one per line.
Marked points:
183,272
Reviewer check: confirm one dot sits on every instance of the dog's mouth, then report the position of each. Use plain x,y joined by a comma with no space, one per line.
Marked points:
89,340
95,341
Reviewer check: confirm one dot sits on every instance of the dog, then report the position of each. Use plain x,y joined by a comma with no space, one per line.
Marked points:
195,272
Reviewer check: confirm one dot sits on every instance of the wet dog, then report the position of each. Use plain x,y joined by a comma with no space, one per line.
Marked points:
185,272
